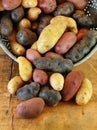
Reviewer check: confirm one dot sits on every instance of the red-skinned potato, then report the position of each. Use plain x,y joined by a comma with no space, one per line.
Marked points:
40,76
30,108
47,6
67,40
51,54
32,54
79,4
81,33
72,83
11,4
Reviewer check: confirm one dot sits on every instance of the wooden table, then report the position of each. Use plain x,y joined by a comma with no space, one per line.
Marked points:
65,116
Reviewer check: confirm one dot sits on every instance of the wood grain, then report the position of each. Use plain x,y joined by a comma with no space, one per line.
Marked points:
65,116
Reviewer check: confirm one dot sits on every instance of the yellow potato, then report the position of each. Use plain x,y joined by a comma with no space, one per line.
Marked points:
25,68
34,46
17,49
24,23
51,33
29,3
84,94
57,81
14,84
33,13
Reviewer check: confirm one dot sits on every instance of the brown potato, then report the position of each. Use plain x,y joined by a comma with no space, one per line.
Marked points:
24,23
30,108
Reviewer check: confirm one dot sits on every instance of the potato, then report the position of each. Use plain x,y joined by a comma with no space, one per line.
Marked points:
34,46
24,23
52,55
33,13
26,37
34,26
66,9
28,91
12,36
67,40
31,55
79,4
29,3
17,14
54,64
82,47
17,49
11,4
44,20
84,94
57,81
25,68
47,6
50,96
6,25
14,84
81,33
30,108
83,20
40,76
72,83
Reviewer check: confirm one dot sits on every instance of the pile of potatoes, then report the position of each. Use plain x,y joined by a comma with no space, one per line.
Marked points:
47,37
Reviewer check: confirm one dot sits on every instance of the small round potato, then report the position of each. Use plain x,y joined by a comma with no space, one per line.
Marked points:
40,76
33,13
57,81
24,23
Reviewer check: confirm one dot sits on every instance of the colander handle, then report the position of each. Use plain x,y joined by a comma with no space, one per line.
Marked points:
4,48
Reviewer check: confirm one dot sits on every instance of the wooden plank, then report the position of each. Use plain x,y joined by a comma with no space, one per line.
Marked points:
65,116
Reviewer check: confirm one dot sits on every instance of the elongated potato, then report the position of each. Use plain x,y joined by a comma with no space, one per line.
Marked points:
14,84
84,94
72,83
30,108
25,68
67,40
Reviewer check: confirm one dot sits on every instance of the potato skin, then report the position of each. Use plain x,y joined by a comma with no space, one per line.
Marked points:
30,108
11,4
32,54
47,6
44,20
51,54
6,25
50,96
40,76
67,40
28,91
84,94
82,47
66,9
79,4
55,65
72,83
81,33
